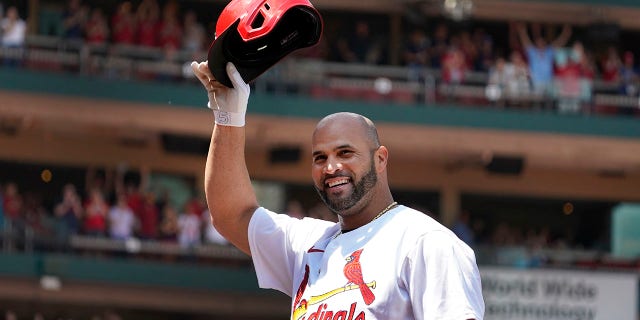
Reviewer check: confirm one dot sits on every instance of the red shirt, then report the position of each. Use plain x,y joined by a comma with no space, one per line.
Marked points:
95,219
124,29
148,33
149,217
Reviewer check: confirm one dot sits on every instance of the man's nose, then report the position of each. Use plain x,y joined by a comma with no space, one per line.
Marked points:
332,166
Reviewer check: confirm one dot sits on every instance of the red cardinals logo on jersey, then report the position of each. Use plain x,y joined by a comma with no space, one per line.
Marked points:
353,272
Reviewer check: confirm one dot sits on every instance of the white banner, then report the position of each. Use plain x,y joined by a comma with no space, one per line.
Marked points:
542,294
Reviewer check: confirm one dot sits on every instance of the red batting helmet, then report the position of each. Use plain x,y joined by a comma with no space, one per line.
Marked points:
256,34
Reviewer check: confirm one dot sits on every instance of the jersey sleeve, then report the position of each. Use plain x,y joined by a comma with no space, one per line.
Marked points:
442,279
277,242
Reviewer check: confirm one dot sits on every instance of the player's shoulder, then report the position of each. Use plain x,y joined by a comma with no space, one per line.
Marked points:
417,224
412,218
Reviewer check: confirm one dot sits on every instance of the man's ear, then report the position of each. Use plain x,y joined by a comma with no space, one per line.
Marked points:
381,157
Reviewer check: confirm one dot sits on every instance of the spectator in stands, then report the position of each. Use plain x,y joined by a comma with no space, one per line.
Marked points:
96,210
567,81
148,24
521,79
360,46
122,221
439,45
97,28
149,218
69,211
74,19
610,65
13,30
169,226
540,56
194,36
416,54
587,72
508,80
12,203
629,75
132,183
462,228
170,31
123,24
454,66
189,227
211,235
498,82
584,58
468,48
486,53
37,217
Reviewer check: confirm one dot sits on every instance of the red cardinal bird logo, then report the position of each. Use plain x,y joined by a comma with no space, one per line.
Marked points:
353,272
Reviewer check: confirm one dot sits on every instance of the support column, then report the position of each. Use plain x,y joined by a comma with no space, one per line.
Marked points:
395,40
32,20
449,204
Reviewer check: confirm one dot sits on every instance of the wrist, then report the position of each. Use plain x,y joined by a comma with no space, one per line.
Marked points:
227,118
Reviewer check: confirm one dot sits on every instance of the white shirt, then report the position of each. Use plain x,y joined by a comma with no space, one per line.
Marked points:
121,222
414,267
189,229
15,35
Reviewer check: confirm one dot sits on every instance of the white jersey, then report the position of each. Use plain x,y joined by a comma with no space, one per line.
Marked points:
403,265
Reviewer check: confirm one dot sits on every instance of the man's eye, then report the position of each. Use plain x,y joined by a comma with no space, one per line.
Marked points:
344,153
319,159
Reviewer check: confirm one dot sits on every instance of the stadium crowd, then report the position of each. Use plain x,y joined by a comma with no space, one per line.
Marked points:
533,59
115,204
121,206
528,61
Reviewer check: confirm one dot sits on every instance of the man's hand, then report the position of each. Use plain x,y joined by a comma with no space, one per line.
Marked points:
228,104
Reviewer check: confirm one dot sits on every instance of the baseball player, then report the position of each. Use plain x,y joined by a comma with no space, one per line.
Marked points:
382,260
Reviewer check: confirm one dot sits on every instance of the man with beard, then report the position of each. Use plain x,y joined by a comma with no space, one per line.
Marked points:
382,260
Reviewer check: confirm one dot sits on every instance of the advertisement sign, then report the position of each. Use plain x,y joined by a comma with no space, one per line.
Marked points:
512,294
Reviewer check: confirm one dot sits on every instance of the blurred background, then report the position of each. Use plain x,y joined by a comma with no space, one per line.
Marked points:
514,123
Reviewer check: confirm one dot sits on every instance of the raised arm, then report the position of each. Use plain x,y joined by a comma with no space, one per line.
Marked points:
563,38
230,195
521,28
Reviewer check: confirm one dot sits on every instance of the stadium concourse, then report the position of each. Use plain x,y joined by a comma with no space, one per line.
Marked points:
104,133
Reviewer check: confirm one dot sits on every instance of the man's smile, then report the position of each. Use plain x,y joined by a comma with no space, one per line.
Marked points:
333,182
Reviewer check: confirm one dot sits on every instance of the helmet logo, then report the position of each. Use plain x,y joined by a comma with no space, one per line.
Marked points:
290,37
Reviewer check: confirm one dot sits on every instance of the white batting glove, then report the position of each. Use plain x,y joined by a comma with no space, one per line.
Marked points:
229,105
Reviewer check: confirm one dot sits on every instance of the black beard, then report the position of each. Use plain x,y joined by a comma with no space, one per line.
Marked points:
360,189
